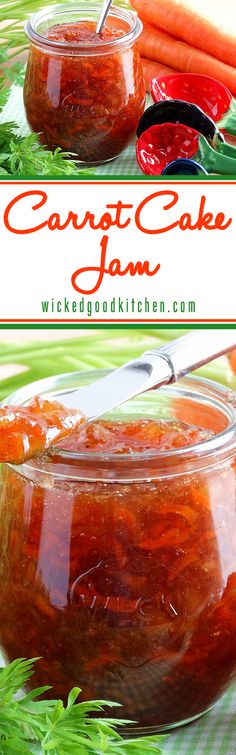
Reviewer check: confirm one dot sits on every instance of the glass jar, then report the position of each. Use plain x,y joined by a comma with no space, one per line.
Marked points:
119,570
84,92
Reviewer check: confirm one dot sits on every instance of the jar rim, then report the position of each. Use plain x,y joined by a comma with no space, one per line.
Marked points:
222,444
83,48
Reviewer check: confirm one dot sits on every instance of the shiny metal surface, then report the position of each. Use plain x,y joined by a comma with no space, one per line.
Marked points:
103,15
151,370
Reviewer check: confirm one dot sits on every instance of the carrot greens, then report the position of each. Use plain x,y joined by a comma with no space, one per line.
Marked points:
29,725
24,155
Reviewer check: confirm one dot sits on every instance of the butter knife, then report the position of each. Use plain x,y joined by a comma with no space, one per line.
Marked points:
151,370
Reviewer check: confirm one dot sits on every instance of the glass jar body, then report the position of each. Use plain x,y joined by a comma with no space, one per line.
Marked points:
86,102
126,588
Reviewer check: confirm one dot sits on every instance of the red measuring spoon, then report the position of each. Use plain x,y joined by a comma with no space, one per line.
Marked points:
209,94
160,144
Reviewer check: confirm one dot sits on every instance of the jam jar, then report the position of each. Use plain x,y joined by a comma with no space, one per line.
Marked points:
118,554
84,92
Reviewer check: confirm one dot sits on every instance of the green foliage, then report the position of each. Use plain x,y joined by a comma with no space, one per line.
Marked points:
99,349
25,156
15,71
13,13
57,729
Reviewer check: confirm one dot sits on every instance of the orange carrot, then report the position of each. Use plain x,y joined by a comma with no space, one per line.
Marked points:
152,68
184,21
232,359
157,45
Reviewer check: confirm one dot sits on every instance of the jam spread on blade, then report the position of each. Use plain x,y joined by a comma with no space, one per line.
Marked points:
26,431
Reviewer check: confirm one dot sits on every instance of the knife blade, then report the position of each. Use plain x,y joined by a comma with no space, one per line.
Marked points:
153,369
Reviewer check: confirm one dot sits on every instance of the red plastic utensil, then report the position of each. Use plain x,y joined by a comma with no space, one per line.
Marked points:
209,94
159,145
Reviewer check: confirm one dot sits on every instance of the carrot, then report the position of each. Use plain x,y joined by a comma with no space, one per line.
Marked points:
183,20
152,68
157,45
232,359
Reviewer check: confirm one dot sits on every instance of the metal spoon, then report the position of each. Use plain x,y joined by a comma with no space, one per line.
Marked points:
103,15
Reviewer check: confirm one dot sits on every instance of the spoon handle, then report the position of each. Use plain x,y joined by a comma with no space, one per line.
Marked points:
103,15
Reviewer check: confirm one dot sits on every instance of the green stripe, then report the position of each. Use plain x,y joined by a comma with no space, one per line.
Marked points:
108,177
115,326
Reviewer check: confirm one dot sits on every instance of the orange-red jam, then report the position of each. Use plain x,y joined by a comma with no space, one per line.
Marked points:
27,431
134,436
87,104
126,589
83,32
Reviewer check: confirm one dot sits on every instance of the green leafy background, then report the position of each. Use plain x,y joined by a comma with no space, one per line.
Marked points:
99,349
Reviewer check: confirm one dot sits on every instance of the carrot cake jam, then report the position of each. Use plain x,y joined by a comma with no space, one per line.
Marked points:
84,92
124,587
27,431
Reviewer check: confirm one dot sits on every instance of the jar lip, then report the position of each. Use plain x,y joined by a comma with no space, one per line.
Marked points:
83,47
221,443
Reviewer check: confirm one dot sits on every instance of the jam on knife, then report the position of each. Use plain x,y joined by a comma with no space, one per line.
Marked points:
26,431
